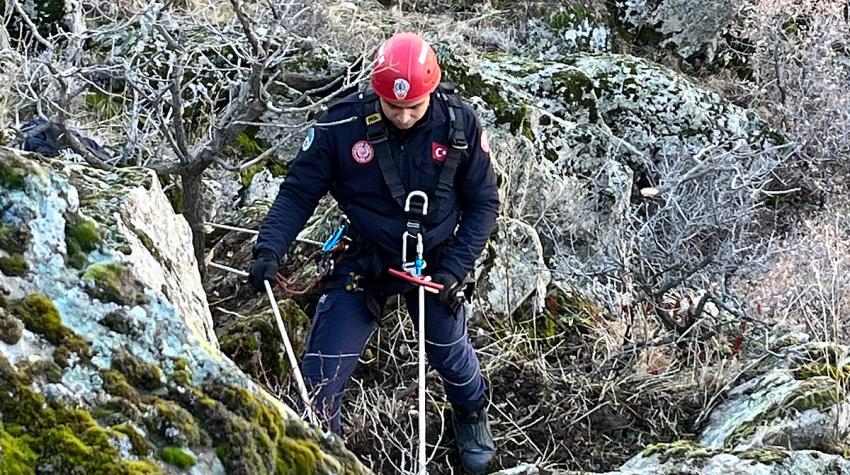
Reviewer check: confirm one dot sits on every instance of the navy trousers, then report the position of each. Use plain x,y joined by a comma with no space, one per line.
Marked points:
341,328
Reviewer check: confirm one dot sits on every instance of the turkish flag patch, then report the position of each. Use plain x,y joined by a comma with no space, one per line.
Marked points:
439,151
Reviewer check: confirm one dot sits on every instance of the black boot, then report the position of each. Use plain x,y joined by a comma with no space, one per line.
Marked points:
472,433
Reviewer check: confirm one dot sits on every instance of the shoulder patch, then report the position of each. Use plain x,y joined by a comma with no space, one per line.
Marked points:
485,141
308,140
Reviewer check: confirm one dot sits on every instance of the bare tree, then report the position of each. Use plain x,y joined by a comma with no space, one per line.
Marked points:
182,83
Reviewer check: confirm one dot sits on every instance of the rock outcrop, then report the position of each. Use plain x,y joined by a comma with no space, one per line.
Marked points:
789,419
108,362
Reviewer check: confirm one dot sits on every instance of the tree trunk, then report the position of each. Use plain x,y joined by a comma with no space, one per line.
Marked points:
193,211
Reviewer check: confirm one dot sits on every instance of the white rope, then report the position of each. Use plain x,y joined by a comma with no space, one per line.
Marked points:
290,353
422,454
302,388
229,269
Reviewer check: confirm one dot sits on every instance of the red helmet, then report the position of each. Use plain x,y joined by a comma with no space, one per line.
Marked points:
405,69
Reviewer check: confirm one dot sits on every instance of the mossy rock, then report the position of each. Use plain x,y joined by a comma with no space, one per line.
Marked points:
765,455
118,321
11,178
81,237
678,450
39,315
14,265
14,240
174,423
38,433
141,447
114,282
117,385
179,457
43,370
138,373
16,457
11,328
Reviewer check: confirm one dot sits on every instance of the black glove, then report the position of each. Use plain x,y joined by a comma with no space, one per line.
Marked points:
450,286
264,268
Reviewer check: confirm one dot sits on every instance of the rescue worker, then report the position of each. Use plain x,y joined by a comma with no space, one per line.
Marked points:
370,150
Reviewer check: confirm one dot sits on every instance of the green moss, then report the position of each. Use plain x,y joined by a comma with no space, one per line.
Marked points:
13,265
40,369
276,168
14,240
39,315
247,175
116,384
174,423
138,373
113,282
16,458
76,345
576,88
568,18
298,455
11,178
743,431
182,374
81,238
85,233
473,84
766,455
141,447
819,393
47,434
247,143
178,457
11,329
679,450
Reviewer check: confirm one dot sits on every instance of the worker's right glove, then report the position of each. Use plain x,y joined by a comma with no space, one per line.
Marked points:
264,268
450,287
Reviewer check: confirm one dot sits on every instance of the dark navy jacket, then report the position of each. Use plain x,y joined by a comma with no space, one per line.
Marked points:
329,164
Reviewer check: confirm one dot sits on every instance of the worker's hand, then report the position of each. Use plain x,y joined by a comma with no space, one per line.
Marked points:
264,268
450,286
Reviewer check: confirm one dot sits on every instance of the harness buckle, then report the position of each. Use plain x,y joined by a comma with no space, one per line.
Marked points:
415,211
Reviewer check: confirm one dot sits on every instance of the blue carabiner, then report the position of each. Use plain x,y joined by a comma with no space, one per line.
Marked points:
334,239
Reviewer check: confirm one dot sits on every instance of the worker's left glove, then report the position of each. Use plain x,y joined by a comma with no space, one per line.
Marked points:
264,268
450,287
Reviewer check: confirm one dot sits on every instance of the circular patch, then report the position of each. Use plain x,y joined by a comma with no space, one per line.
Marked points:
485,142
362,152
400,88
308,140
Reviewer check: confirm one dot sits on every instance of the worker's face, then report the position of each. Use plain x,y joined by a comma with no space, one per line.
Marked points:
404,114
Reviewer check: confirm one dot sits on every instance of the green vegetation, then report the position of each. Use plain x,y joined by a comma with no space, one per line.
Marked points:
138,373
39,315
13,265
11,177
179,457
81,238
114,282
37,431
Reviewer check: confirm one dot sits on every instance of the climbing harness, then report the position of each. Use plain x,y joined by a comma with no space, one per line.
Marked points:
377,135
